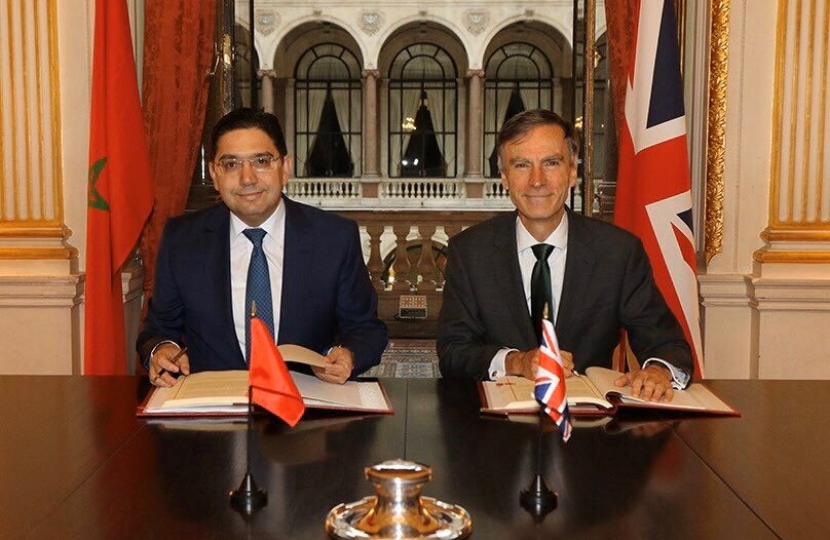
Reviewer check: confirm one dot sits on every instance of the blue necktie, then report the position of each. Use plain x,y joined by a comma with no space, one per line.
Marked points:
258,289
540,292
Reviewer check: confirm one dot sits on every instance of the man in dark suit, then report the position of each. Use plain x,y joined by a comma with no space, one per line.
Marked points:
320,292
600,278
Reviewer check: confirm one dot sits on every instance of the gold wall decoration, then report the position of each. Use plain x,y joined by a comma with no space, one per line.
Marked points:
799,210
800,171
31,192
29,152
716,152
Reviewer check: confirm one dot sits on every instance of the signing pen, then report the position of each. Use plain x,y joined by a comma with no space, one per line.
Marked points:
175,359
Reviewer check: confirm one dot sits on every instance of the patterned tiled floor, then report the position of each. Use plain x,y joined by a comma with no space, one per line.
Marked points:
410,358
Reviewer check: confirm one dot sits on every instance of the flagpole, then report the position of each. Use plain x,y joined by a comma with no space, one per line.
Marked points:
248,498
538,499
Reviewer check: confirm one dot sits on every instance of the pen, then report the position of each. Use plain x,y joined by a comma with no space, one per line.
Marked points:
178,355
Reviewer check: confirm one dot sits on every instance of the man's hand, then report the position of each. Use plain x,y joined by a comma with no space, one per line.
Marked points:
652,383
522,363
166,363
526,363
567,363
339,366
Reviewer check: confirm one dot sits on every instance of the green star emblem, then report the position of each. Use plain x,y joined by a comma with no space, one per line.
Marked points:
94,199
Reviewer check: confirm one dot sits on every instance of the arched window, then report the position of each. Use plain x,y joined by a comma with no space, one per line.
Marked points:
423,117
519,77
327,113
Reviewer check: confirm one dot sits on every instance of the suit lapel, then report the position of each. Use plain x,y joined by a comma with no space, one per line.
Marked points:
507,272
579,267
296,279
216,247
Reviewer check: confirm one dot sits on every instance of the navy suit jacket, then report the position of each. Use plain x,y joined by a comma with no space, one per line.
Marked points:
327,297
608,285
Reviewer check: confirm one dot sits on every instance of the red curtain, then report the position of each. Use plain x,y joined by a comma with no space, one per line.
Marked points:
620,16
178,52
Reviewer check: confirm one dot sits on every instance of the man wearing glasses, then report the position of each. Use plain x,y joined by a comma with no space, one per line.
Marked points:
300,266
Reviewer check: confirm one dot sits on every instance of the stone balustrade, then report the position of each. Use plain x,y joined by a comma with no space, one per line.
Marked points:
405,252
422,189
324,189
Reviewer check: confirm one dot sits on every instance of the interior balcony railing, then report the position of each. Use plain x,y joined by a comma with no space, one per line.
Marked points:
400,193
487,194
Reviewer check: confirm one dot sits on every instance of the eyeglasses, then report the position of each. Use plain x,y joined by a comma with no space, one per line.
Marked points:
260,164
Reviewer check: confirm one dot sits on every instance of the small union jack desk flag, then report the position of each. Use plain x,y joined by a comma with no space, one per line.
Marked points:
550,381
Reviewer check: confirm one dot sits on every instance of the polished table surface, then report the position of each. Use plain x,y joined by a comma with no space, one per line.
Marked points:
776,457
76,463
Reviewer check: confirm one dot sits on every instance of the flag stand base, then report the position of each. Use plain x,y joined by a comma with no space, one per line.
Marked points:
538,500
248,498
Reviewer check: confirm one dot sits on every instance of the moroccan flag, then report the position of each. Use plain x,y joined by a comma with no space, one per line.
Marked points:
653,198
120,190
550,381
271,383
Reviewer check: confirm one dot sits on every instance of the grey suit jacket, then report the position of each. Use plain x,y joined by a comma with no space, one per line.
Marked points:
608,285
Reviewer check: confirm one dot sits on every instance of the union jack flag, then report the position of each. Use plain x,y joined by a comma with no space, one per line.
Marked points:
653,198
550,381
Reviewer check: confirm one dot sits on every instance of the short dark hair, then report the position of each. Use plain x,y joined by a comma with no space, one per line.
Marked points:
520,124
247,118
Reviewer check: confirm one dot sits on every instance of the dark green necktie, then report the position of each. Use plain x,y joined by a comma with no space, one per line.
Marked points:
540,292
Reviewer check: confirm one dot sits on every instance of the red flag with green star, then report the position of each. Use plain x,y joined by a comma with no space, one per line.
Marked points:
120,190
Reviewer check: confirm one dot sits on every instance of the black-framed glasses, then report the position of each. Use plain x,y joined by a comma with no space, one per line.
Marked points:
233,165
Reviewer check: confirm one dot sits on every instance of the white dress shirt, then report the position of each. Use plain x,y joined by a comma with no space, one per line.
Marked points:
556,261
273,244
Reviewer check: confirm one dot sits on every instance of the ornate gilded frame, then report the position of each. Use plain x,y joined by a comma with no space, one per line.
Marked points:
715,151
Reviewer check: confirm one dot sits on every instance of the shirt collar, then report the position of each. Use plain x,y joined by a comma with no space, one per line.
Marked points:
558,238
271,225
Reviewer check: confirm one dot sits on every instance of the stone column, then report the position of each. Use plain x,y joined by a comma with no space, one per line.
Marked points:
267,76
473,157
371,165
371,145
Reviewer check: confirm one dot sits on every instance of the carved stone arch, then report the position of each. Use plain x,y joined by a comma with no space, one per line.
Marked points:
554,26
422,30
557,46
305,35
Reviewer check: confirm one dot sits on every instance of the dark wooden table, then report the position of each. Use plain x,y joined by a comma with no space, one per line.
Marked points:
631,478
76,463
776,458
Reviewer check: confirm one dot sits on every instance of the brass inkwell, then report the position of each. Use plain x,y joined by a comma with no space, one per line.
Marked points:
398,511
